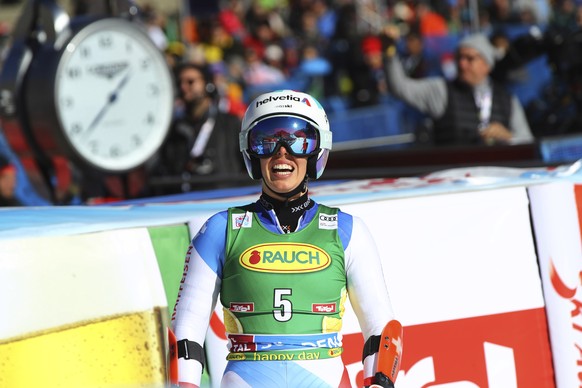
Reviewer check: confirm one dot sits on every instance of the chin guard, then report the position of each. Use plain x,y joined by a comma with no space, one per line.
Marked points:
388,345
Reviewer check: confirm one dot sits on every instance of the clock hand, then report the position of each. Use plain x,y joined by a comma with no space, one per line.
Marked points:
110,100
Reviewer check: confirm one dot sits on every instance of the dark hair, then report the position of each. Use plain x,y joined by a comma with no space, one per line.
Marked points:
202,69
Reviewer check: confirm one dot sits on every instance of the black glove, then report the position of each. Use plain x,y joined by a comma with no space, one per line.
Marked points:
381,381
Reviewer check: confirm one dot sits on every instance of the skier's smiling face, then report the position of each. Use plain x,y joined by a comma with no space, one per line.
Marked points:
282,173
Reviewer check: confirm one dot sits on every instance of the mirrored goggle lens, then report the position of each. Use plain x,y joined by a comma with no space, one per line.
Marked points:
299,136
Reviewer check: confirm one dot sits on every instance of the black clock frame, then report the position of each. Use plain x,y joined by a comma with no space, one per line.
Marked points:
27,77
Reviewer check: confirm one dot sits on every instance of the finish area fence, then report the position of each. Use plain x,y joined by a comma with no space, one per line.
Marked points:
482,266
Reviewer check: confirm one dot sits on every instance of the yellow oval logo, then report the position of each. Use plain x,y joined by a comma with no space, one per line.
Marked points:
285,258
334,352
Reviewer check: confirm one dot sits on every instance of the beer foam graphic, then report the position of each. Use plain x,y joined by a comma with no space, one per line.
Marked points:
50,282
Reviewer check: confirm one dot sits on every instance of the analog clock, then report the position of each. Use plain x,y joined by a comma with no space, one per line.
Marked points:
103,92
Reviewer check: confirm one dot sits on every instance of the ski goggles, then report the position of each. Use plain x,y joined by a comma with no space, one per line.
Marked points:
298,136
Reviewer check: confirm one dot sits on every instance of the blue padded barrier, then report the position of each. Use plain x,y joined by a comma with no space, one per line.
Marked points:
380,125
561,149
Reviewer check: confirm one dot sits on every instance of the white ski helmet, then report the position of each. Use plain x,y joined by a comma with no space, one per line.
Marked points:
286,103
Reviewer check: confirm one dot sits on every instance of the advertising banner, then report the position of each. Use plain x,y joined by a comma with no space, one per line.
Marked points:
463,277
82,311
556,217
170,244
88,291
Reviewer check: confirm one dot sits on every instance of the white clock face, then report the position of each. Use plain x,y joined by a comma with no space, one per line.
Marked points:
113,95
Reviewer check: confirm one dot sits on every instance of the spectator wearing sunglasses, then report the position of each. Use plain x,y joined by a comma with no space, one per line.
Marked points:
471,109
283,266
201,151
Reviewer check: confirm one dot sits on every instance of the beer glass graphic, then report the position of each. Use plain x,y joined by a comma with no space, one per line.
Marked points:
85,310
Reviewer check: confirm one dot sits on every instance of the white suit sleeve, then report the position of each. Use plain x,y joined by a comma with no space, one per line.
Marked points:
198,292
366,286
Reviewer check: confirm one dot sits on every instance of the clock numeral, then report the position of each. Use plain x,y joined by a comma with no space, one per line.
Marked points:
105,41
94,146
145,63
137,141
114,152
67,102
85,52
150,118
74,72
154,90
76,129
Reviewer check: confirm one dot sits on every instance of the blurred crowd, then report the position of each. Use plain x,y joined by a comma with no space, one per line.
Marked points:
333,48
